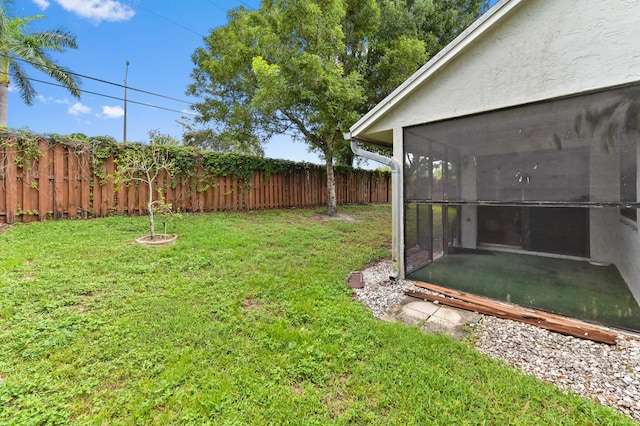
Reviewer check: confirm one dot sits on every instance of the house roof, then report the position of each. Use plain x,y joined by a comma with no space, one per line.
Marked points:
451,51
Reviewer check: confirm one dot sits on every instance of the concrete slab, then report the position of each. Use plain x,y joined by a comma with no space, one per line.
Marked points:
414,312
447,314
451,321
432,317
439,325
421,309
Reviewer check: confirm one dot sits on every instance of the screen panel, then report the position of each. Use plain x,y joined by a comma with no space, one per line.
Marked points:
579,150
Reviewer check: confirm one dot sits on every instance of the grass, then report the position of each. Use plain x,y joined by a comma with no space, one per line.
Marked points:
245,320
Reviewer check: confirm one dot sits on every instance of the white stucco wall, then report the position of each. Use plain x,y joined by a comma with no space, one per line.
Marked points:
398,206
540,49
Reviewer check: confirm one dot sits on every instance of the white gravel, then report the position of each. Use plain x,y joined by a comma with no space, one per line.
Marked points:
609,374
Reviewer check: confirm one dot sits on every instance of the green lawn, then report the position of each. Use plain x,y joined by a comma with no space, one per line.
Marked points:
245,320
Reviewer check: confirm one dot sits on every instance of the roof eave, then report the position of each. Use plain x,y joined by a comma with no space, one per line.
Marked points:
452,50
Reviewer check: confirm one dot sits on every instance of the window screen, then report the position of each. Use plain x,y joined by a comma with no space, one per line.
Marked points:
570,151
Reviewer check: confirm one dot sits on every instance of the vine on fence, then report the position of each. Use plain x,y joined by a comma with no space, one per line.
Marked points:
199,167
186,159
27,149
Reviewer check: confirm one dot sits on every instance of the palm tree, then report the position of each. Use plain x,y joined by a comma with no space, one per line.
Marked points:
18,47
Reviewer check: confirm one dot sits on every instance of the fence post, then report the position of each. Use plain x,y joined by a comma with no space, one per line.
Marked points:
44,185
10,179
58,181
85,183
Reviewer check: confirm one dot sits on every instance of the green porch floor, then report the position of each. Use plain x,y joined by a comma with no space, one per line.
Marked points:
572,288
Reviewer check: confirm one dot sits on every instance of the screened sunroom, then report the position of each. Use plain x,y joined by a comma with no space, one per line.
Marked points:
548,179
515,160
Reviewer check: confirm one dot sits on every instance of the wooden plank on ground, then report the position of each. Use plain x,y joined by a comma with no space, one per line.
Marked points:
460,294
493,303
540,319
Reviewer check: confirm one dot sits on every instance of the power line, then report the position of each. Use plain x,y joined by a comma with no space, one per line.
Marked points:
246,5
171,21
110,97
99,80
218,6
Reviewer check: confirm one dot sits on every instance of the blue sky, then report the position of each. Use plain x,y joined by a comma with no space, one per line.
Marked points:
157,37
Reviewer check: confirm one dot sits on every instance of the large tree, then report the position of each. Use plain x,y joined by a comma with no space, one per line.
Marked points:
408,34
20,48
207,139
310,68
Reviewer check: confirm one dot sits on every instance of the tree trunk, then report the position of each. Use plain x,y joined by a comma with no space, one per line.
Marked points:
152,225
332,209
4,103
346,159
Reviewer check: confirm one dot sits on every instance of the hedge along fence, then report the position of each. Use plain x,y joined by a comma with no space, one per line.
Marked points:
62,178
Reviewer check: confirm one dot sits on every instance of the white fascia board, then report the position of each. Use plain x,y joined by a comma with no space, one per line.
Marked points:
453,49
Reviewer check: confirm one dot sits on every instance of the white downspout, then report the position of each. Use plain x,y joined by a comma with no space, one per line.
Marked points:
396,199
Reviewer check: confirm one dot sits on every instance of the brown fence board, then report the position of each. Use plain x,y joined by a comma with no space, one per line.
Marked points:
3,183
72,189
58,181
85,184
29,199
143,197
43,181
200,190
11,185
62,183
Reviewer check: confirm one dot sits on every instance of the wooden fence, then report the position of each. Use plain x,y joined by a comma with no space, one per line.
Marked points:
62,184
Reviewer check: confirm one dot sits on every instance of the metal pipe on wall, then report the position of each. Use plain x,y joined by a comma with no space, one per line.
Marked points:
396,197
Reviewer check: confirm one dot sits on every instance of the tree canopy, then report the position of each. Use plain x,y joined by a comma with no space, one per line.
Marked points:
207,139
311,68
18,48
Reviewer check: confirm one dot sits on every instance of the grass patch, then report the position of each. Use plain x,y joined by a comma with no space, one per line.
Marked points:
246,319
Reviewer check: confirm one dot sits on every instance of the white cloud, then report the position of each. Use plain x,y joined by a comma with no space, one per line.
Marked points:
78,109
42,4
97,10
44,100
49,99
111,112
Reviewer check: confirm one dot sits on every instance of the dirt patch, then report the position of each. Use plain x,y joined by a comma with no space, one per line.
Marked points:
296,388
338,403
344,218
252,306
158,240
251,303
341,217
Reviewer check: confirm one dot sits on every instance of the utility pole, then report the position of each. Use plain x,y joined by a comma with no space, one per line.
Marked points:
126,72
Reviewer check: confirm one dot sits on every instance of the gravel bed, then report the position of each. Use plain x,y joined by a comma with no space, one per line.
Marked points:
607,374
